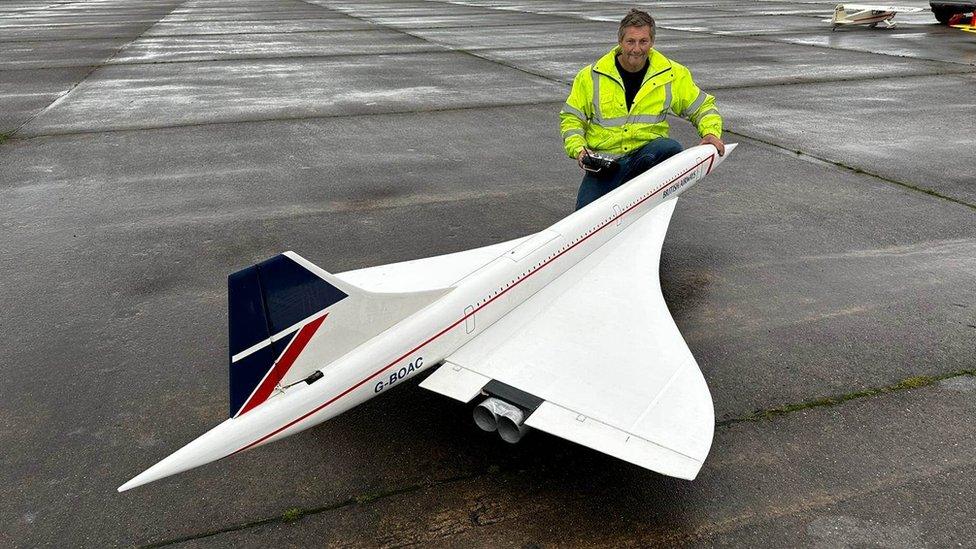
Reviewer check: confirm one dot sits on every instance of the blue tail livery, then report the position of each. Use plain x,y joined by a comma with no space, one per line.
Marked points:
273,312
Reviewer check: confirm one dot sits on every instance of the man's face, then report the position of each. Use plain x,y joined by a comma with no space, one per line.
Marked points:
635,44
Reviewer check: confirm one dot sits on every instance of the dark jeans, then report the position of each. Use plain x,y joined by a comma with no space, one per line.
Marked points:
631,165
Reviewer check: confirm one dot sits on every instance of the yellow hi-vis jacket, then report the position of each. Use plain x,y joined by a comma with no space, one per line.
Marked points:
595,115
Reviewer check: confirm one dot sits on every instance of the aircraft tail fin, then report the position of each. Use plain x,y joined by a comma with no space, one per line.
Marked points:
840,14
288,318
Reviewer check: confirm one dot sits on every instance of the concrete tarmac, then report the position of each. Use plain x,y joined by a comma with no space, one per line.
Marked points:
824,277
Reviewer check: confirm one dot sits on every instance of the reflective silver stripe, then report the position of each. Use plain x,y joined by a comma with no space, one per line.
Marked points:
622,120
596,95
695,105
610,154
655,118
612,122
667,100
704,114
638,119
649,118
574,131
569,109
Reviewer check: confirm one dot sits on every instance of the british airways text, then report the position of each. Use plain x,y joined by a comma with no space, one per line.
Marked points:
681,183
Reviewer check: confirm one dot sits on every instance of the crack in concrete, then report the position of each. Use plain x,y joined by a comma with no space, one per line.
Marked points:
296,513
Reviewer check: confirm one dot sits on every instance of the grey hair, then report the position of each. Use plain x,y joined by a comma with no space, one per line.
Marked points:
635,18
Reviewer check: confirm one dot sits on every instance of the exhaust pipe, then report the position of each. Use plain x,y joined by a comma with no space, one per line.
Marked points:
496,414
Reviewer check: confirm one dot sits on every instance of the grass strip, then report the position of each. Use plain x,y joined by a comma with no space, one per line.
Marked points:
906,384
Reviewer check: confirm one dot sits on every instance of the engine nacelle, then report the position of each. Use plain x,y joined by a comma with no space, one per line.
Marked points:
494,414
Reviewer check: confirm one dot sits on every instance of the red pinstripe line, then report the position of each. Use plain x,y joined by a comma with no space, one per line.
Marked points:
711,158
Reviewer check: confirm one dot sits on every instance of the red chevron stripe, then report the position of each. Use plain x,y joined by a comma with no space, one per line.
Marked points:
282,365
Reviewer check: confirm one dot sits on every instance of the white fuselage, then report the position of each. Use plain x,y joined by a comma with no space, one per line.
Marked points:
426,338
477,301
866,19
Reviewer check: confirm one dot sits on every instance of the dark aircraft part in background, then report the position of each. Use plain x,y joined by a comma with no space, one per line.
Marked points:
945,10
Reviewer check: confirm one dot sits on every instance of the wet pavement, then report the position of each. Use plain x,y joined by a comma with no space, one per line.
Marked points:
824,277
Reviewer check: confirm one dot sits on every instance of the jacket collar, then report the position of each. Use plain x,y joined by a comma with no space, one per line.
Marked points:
608,66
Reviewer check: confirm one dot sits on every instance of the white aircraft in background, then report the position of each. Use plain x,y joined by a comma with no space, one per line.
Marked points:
870,15
564,330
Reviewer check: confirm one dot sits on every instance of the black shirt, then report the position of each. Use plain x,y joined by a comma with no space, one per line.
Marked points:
632,80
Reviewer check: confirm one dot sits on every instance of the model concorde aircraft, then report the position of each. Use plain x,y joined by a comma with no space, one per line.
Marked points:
864,14
565,331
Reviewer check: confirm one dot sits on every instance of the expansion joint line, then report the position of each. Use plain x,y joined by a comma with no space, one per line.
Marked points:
94,68
446,47
909,186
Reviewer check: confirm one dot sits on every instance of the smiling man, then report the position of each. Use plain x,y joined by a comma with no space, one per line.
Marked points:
618,107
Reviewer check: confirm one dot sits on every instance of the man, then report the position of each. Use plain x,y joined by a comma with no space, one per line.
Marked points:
617,107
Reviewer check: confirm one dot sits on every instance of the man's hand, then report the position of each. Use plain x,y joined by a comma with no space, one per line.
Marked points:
710,139
579,158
